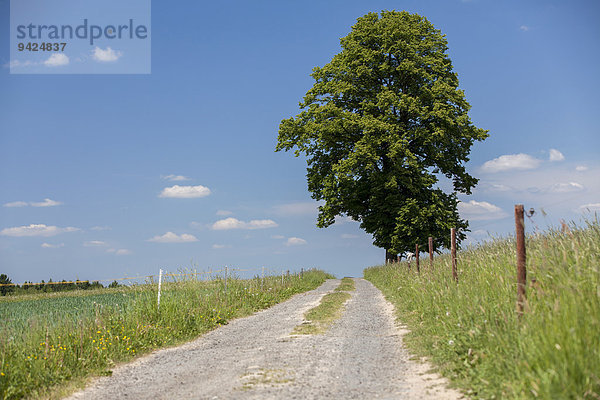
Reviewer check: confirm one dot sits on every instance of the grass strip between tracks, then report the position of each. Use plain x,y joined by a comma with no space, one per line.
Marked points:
321,317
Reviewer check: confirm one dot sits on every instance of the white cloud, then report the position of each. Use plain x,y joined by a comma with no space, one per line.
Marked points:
119,252
294,241
277,237
591,207
52,246
566,187
234,223
500,188
16,204
185,192
171,237
196,225
480,210
524,28
100,228
305,208
556,155
57,60
349,236
46,203
36,230
224,213
108,55
228,223
581,168
343,219
261,224
17,63
220,246
494,187
175,177
509,162
94,243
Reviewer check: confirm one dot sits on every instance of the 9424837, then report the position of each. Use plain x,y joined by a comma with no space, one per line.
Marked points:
44,46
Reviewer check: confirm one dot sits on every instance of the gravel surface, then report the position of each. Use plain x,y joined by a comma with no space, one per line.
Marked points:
360,357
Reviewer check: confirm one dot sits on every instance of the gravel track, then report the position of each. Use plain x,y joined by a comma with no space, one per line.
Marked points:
360,357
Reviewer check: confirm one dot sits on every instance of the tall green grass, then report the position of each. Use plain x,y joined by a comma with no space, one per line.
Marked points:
471,329
52,340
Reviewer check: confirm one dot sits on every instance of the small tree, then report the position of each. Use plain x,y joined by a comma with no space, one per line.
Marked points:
383,120
82,285
96,285
6,285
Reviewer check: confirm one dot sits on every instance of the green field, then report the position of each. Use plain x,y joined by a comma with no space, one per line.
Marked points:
471,329
50,343
19,315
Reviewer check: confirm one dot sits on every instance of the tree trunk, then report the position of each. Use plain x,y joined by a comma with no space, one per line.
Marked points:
390,257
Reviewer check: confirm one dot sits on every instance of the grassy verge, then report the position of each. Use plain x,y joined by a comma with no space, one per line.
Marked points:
471,329
45,343
321,317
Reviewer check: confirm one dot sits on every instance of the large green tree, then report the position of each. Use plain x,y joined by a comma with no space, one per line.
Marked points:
384,119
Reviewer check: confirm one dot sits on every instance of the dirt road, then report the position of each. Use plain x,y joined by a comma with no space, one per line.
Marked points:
361,357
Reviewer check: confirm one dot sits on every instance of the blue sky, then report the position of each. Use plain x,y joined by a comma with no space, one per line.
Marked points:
89,164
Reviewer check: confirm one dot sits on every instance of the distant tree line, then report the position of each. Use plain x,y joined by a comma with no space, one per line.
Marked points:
7,288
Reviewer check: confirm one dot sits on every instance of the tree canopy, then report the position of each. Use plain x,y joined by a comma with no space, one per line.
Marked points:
383,120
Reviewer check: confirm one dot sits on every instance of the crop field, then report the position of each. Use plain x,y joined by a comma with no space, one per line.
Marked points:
471,328
20,315
50,343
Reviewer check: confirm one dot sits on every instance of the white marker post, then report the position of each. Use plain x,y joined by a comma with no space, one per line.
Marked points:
262,282
226,279
160,272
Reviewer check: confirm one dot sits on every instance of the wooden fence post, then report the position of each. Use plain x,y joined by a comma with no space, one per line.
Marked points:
430,252
417,258
453,253
521,258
